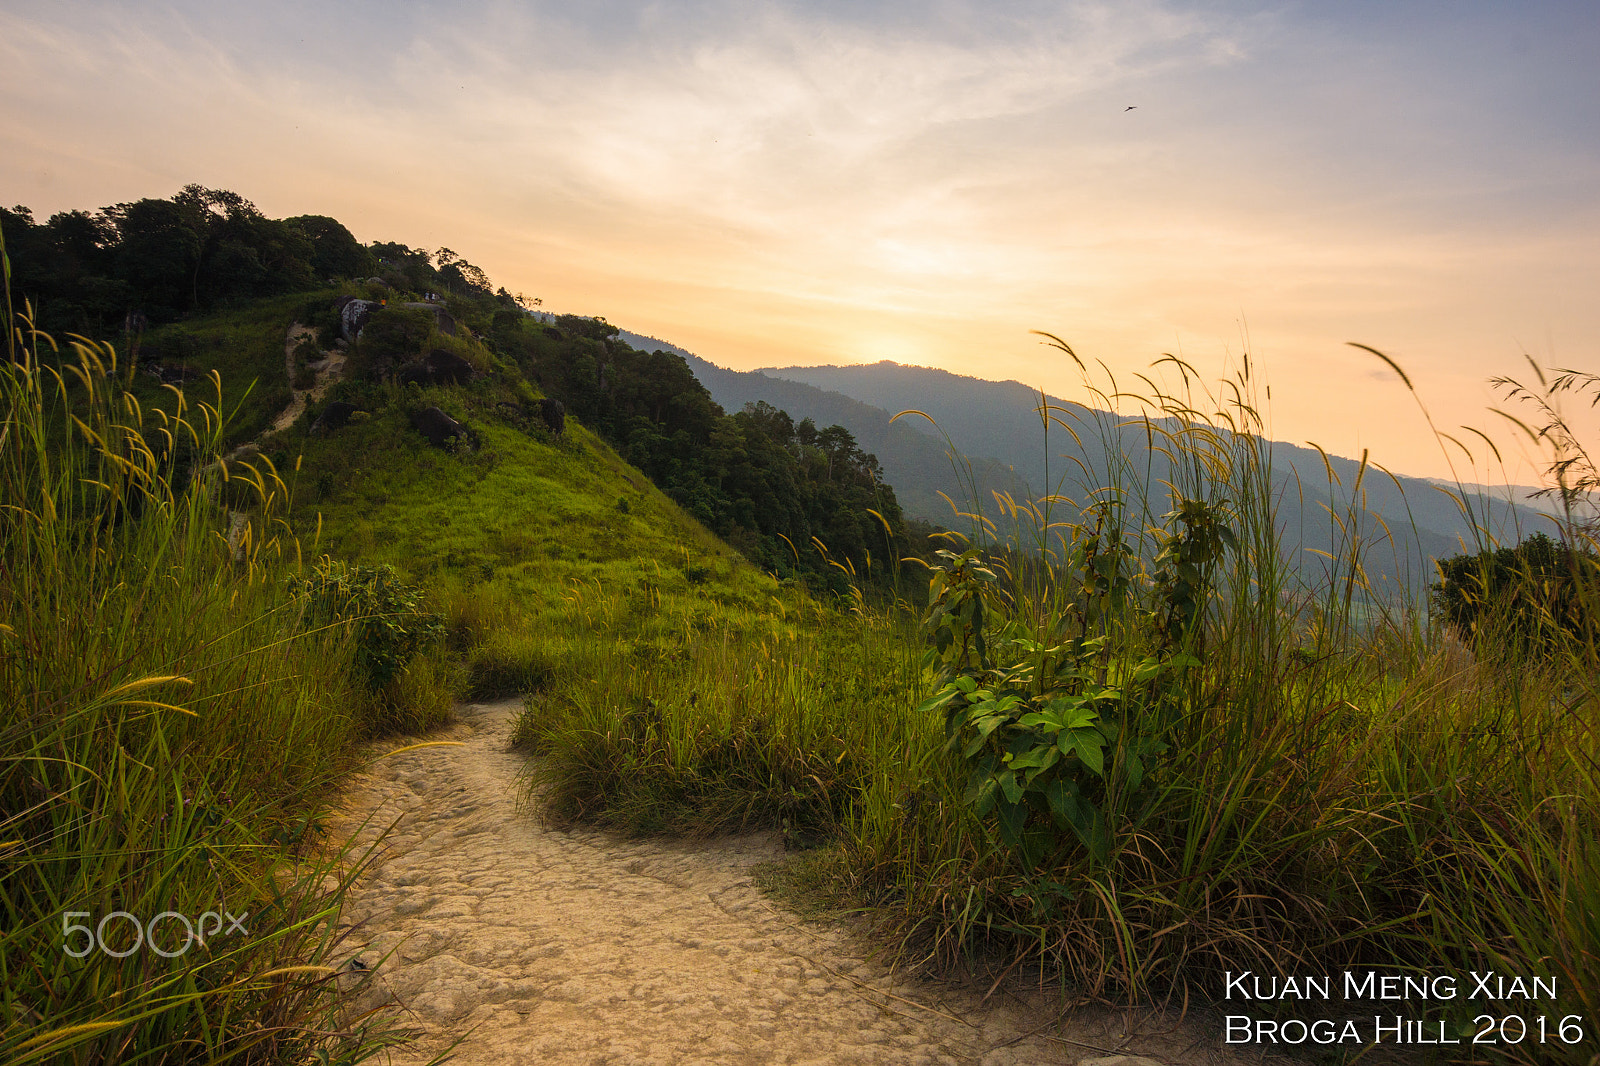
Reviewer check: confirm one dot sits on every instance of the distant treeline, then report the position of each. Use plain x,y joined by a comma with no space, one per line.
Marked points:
773,489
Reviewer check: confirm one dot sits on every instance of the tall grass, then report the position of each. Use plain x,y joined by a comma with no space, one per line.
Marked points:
1327,779
166,724
778,721
1344,785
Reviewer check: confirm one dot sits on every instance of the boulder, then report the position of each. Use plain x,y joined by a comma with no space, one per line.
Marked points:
439,368
333,416
554,415
441,317
448,368
353,315
437,426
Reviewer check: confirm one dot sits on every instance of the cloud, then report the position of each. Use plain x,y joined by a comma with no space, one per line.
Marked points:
778,182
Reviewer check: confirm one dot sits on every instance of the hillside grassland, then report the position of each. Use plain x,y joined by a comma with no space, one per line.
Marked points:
1125,748
564,572
172,725
244,347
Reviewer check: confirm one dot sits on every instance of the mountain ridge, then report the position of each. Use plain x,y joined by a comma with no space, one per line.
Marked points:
995,425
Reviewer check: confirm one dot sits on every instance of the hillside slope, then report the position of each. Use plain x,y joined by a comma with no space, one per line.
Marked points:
918,464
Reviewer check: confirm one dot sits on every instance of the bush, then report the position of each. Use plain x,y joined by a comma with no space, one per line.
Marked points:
391,627
320,316
1529,599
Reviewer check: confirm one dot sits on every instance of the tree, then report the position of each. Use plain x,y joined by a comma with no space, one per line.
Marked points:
159,246
1526,598
335,253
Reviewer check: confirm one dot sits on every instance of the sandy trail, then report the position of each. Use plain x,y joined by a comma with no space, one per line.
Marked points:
329,368
573,947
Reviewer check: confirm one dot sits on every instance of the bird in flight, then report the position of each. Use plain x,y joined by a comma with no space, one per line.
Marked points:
1130,107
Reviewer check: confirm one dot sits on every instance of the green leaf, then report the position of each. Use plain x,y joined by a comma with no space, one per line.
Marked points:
1148,670
981,794
1012,817
1010,786
1042,757
1086,745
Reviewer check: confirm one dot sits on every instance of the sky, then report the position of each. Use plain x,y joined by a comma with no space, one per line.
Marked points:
771,184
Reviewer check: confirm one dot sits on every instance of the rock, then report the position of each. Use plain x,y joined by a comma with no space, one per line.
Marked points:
437,426
238,523
439,368
441,317
353,315
333,416
448,368
554,415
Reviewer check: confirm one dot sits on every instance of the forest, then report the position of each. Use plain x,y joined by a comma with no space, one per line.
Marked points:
795,499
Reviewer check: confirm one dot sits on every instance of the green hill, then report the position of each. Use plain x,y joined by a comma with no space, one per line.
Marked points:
1163,758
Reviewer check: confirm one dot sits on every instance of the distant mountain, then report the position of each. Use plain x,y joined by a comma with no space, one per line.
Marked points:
1000,418
915,462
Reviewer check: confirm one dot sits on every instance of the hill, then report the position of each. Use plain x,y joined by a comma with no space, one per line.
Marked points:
917,463
999,421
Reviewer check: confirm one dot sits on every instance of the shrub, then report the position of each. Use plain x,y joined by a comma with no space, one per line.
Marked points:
391,627
1529,598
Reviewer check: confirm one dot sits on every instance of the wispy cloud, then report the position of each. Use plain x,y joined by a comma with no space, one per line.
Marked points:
775,182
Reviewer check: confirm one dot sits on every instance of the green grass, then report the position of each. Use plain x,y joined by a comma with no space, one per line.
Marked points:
245,347
515,536
719,728
1339,783
169,727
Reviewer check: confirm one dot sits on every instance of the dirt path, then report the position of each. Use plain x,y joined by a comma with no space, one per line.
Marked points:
329,369
572,947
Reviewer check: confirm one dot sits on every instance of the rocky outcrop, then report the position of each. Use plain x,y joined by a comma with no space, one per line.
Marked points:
441,317
439,368
333,416
437,426
353,316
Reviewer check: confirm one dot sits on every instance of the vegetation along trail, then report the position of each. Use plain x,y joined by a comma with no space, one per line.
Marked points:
539,945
